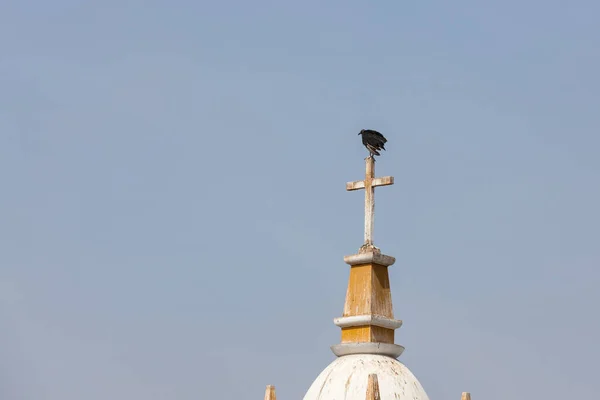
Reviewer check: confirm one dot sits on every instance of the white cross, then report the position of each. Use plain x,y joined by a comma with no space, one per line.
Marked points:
369,185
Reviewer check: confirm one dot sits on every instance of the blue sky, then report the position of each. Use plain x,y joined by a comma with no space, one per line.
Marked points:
173,216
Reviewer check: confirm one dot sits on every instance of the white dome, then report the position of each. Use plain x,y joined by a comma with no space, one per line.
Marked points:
346,378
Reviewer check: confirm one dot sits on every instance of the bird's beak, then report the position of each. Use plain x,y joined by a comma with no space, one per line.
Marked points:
359,133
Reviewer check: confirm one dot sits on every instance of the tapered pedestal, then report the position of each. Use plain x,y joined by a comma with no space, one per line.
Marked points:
368,322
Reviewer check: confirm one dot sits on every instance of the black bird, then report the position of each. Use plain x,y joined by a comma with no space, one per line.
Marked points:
373,141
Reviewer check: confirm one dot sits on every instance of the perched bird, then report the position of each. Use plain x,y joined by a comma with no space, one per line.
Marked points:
373,141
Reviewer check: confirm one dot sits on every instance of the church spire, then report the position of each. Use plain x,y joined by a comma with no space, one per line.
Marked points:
368,322
366,367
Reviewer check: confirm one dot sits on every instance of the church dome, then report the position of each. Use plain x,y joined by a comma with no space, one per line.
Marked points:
346,378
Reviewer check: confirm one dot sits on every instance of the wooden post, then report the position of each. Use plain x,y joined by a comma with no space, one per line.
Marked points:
369,200
270,393
466,396
373,388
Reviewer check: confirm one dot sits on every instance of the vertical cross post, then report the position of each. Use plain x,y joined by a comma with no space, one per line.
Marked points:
369,184
369,200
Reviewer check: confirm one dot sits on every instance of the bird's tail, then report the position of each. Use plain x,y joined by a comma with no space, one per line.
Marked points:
373,150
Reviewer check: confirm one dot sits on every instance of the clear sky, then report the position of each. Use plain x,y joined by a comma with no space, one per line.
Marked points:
173,213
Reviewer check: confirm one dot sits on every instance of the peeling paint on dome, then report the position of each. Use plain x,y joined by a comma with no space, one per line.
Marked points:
346,378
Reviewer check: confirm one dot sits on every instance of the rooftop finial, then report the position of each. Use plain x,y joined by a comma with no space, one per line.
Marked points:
373,388
270,393
368,322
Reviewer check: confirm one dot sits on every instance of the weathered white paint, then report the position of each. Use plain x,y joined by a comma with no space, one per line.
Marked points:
374,257
369,184
386,349
368,319
346,378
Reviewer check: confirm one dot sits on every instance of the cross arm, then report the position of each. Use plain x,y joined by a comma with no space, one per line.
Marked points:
383,181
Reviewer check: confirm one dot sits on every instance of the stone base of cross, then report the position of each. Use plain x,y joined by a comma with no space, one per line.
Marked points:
369,184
